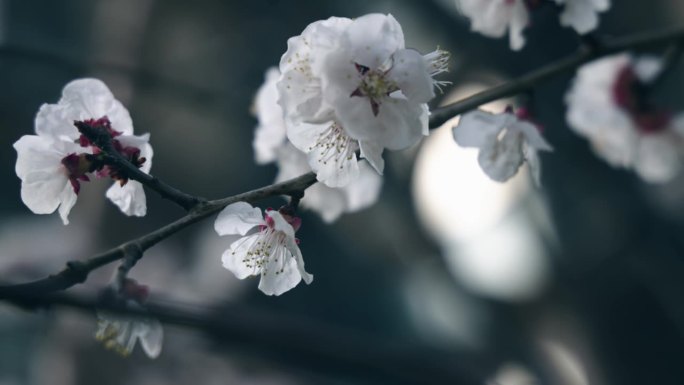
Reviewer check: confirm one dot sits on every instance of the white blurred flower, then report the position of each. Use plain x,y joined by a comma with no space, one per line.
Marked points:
270,144
267,248
582,15
120,332
52,163
355,87
607,105
494,18
505,142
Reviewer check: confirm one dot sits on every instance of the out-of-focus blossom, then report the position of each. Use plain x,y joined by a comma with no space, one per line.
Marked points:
608,105
582,15
120,332
349,85
505,140
495,18
267,248
270,144
53,163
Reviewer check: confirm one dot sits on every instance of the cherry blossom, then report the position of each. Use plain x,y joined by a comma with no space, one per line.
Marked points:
582,15
270,144
53,163
267,247
608,105
120,333
495,18
330,202
505,140
350,85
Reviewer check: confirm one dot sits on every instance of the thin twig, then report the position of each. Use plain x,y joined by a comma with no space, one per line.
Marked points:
248,329
637,42
103,139
77,271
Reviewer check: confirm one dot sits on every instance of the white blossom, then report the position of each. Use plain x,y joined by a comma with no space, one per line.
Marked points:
505,142
270,143
582,15
494,18
349,85
52,163
120,333
46,182
267,248
330,202
605,106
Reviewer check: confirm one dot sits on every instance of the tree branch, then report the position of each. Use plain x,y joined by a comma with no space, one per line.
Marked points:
297,339
77,271
589,52
103,139
198,209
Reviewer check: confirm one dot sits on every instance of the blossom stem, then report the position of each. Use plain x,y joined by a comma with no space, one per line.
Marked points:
587,53
112,157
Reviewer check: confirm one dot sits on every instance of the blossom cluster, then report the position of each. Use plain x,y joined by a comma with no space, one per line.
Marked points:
53,163
609,104
495,18
345,89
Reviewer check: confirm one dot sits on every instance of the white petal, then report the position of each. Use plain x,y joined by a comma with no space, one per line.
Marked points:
373,38
130,198
334,171
291,163
364,191
151,335
297,254
67,201
41,191
57,122
91,99
532,135
37,153
304,136
372,152
519,21
658,158
238,218
582,14
411,73
326,201
280,224
475,127
280,273
501,159
270,133
237,260
532,159
397,126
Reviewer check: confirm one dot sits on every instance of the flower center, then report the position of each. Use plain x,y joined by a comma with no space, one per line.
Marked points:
374,85
631,94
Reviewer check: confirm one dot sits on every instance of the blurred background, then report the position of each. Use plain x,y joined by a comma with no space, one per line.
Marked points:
449,278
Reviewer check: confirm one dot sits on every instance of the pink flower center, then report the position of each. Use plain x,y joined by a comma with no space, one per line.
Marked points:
630,94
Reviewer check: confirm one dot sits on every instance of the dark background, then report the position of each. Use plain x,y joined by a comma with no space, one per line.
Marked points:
576,282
